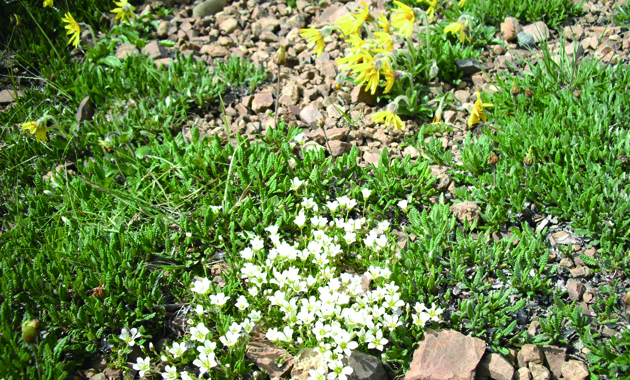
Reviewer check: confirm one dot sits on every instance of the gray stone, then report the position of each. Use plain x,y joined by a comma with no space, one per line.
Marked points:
229,25
574,370
554,358
526,41
311,115
8,96
208,8
468,66
365,367
466,210
538,30
575,288
154,50
275,361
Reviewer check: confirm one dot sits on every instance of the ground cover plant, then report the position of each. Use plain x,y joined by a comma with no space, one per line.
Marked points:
136,238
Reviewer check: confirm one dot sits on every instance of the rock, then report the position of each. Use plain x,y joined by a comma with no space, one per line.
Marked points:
411,151
372,157
554,358
495,366
262,102
208,8
162,30
99,376
468,66
365,367
574,33
214,51
446,355
267,36
307,359
339,148
311,115
154,50
311,145
296,21
529,353
574,370
462,96
275,361
86,110
510,28
8,96
336,134
526,41
466,210
581,272
575,288
125,50
538,30
523,374
359,95
229,25
539,372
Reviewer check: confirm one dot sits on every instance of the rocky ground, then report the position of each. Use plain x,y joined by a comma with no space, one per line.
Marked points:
212,30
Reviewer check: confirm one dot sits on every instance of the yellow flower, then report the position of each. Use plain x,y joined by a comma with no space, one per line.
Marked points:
353,59
389,117
356,43
383,23
389,74
431,10
314,38
368,72
385,41
477,111
36,128
124,10
403,19
458,27
351,23
48,3
74,30
461,3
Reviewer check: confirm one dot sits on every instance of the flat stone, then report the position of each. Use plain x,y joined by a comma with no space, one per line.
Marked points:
372,157
575,288
554,359
155,50
574,370
307,359
359,95
495,366
510,28
365,367
529,353
526,41
125,50
267,355
214,51
538,30
574,33
466,210
339,148
581,272
539,372
267,36
262,102
208,8
311,115
9,96
446,355
229,25
468,66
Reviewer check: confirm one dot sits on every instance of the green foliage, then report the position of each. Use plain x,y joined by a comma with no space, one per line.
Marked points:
237,71
494,12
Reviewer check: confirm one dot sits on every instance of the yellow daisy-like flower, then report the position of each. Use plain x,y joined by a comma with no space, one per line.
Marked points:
389,117
36,128
353,59
477,111
458,27
73,29
48,3
403,19
124,10
314,38
356,43
431,10
385,41
351,23
383,22
368,72
389,74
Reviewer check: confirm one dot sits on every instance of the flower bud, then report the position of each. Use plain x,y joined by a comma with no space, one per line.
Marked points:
281,56
529,93
493,159
529,159
29,330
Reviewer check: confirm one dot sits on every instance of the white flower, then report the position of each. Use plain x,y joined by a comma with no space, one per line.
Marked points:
345,344
185,375
255,316
273,230
129,336
247,254
257,244
319,221
199,310
318,374
216,209
178,349
296,183
241,303
376,341
201,286
346,203
384,226
286,335
219,299
247,325
207,348
435,313
205,362
170,373
299,138
309,204
142,365
253,291
300,219
230,339
391,321
350,237
404,205
339,370
366,193
332,206
199,333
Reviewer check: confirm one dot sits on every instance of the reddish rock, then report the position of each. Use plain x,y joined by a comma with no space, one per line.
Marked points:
523,374
539,372
466,210
228,25
539,30
359,95
574,370
554,359
446,355
510,28
496,367
311,115
262,102
339,148
267,357
581,272
214,51
575,288
125,50
529,353
154,50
